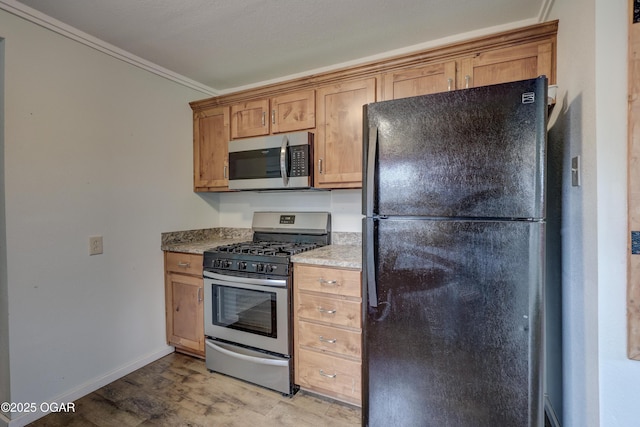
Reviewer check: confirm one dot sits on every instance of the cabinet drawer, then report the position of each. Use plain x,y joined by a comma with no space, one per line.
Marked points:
330,375
328,280
327,338
334,311
183,263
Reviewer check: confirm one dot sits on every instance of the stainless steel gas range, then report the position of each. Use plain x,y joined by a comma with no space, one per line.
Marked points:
248,298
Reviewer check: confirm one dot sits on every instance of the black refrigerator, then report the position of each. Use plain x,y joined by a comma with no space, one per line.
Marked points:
453,258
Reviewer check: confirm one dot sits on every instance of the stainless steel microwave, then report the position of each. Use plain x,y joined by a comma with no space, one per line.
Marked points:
271,162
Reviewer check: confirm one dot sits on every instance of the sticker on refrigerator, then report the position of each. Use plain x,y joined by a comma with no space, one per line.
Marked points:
528,98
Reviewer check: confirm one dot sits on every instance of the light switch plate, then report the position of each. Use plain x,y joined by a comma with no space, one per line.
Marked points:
575,171
95,245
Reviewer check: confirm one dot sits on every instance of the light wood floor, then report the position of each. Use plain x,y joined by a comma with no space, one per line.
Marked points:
178,390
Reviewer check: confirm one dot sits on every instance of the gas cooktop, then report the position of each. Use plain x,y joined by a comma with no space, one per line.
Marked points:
267,248
277,236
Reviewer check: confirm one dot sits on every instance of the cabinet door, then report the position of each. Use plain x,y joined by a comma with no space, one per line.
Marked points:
508,64
338,145
293,111
425,80
210,150
250,119
184,310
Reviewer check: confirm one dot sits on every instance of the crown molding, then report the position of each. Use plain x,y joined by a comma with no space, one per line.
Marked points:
16,8
45,21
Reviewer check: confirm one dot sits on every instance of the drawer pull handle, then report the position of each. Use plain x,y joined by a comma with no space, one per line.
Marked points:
184,264
328,282
327,340
327,375
325,311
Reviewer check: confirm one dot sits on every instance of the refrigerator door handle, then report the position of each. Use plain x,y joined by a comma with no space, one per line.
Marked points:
370,267
370,170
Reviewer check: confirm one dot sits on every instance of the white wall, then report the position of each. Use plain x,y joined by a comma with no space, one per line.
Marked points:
601,384
575,128
619,376
236,209
4,302
92,146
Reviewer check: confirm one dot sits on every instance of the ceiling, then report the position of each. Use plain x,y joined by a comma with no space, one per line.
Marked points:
227,44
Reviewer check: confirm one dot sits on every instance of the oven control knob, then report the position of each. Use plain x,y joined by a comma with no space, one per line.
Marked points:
260,268
242,265
217,263
226,263
270,268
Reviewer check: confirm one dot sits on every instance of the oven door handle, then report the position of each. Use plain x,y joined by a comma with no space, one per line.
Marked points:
283,160
260,360
278,283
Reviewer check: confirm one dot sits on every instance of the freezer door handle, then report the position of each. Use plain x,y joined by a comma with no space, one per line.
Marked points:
369,261
371,169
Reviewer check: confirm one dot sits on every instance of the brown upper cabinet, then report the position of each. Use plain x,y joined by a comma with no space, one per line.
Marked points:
293,111
508,64
250,119
486,67
338,140
211,149
417,81
330,104
284,113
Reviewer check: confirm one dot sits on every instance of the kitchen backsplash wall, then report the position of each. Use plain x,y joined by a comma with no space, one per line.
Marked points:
236,209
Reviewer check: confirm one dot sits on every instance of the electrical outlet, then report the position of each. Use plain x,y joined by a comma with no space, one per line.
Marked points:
95,245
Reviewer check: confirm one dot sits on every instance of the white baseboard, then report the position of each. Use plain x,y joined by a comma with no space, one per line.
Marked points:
87,387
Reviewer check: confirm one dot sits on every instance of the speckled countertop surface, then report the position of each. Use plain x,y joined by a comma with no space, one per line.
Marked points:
198,241
347,256
345,250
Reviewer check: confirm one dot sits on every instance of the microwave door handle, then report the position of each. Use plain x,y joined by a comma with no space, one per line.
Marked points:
283,160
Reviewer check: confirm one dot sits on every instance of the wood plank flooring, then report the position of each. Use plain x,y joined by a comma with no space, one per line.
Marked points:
178,390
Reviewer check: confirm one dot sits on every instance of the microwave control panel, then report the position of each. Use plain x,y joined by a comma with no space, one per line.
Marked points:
299,165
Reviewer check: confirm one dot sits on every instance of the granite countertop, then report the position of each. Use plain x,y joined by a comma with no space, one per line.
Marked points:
347,256
346,250
198,241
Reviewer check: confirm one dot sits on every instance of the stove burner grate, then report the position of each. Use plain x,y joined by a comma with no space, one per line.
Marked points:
282,249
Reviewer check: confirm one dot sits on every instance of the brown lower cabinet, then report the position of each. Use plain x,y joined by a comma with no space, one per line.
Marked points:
184,302
328,331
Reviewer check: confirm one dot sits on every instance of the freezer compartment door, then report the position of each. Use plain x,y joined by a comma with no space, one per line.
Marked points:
455,338
468,153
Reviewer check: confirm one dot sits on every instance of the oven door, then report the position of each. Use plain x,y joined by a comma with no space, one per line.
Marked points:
271,162
247,311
